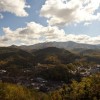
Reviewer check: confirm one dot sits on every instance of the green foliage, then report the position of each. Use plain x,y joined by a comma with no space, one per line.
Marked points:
54,55
17,92
52,60
15,56
14,92
57,73
87,89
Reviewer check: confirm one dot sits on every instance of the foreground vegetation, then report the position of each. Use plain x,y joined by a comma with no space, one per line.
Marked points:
87,89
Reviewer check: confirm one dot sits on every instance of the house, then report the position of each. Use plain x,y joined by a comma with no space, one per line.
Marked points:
2,71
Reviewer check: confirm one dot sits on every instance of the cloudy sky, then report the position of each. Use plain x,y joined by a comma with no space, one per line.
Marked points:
27,22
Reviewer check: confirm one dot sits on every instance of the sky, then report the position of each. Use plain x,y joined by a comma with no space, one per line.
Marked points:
27,22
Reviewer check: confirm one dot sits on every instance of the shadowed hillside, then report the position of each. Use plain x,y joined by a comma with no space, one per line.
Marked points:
14,56
54,55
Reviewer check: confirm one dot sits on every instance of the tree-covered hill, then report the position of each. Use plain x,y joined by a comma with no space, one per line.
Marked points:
91,52
54,55
15,56
91,55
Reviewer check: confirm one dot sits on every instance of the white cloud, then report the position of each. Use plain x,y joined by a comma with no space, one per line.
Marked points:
31,34
35,33
16,7
83,39
64,12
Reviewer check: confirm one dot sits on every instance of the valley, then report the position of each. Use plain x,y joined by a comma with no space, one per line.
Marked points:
47,69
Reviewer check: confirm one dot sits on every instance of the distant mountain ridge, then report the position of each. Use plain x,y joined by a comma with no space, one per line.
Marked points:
66,45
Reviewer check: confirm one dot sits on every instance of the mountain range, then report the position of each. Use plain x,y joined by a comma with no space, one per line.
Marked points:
49,53
66,45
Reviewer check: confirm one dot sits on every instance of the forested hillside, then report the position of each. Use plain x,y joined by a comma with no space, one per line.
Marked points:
49,74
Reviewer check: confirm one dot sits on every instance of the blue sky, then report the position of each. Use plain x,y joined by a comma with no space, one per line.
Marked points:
12,21
91,30
81,26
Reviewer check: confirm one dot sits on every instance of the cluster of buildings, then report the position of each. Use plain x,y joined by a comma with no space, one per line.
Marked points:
41,84
86,71
36,83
